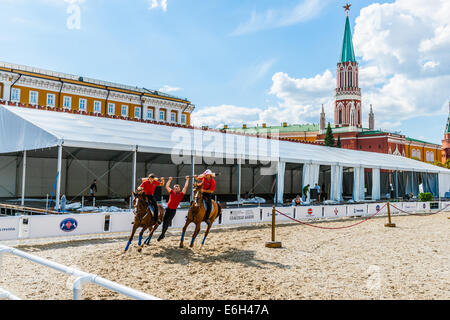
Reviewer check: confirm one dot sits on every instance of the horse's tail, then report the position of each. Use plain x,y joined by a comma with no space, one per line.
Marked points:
219,205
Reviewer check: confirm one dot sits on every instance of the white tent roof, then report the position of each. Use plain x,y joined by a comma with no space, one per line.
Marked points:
29,129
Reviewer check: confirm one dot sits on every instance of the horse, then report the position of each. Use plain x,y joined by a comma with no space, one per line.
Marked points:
196,214
143,217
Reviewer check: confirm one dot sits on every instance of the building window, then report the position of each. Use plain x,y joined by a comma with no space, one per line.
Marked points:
162,115
111,109
173,116
97,106
50,100
83,105
183,119
67,103
33,97
15,95
150,114
137,112
124,111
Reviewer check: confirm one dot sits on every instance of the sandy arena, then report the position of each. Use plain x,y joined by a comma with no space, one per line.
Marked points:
368,261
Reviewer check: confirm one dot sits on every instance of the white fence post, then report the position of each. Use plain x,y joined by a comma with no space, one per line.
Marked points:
82,277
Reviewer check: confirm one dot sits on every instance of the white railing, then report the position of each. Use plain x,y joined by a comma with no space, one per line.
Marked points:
81,278
7,295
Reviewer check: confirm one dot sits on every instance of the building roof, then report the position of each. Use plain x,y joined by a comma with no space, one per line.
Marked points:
348,53
420,141
281,129
52,75
26,129
371,132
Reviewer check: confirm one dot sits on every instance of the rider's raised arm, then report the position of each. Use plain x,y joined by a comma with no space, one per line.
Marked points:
169,190
186,185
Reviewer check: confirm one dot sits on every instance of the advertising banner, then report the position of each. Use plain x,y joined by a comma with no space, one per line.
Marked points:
65,225
9,228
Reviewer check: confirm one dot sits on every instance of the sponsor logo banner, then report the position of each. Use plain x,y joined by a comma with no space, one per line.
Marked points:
9,228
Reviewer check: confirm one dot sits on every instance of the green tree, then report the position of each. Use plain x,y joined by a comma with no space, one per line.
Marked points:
329,138
338,144
447,164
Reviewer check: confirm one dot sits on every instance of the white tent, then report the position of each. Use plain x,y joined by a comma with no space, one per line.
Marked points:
24,129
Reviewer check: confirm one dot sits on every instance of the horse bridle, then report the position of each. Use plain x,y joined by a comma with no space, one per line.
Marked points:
196,195
135,210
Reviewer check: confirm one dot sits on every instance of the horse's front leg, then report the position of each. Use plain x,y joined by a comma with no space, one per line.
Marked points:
196,232
183,233
135,226
141,234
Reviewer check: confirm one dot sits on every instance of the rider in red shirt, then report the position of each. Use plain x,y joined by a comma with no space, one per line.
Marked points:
176,195
149,187
208,188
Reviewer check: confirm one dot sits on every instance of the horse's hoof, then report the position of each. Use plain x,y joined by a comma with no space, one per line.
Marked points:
139,249
181,246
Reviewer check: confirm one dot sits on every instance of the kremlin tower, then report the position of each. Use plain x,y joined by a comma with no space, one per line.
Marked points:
347,110
446,141
348,126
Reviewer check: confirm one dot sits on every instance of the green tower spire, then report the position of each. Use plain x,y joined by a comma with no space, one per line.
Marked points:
348,54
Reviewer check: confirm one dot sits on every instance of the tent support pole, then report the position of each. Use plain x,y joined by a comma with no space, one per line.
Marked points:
192,174
239,177
66,180
16,189
24,168
396,184
133,183
109,179
58,183
292,181
253,178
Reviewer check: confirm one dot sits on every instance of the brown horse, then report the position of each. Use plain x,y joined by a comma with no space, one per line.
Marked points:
143,217
197,213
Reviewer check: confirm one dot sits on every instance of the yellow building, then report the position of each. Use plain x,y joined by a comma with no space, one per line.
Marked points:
423,151
37,87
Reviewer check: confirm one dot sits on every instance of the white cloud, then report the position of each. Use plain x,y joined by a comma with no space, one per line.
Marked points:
300,102
169,89
276,18
253,73
217,116
403,51
405,69
158,4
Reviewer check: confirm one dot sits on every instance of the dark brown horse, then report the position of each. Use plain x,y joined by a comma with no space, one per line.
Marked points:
196,214
143,218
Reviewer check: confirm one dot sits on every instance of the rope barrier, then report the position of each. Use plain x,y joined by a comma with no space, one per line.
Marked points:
331,228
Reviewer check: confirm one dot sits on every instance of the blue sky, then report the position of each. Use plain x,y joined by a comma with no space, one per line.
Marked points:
248,61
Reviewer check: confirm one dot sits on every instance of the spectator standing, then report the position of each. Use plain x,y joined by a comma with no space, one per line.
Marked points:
93,190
